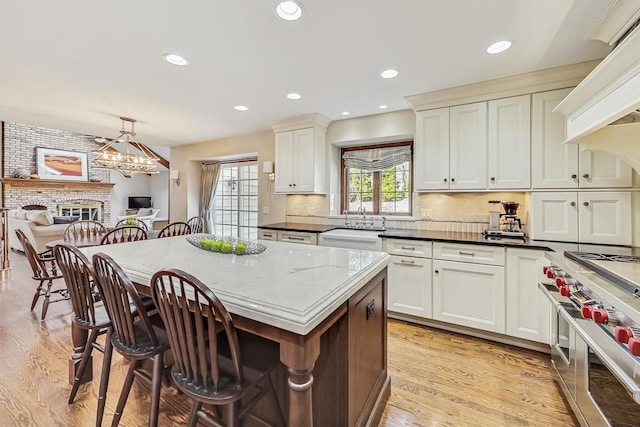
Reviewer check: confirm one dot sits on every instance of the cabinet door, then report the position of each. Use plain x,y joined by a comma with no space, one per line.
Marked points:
605,217
469,295
528,310
553,164
284,162
431,157
509,143
554,216
468,147
303,161
603,170
410,286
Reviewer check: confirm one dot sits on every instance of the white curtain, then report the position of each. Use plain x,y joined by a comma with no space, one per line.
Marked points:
210,176
377,159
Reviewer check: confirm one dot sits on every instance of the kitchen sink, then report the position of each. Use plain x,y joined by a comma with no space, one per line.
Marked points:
352,238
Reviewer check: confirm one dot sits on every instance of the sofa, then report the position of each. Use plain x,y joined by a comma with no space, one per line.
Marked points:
146,215
39,227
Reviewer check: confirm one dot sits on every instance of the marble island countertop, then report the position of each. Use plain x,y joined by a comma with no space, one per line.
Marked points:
290,286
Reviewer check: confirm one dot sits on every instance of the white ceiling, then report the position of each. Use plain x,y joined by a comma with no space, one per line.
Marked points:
79,65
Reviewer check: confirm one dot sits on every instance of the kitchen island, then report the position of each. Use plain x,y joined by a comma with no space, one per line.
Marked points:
326,307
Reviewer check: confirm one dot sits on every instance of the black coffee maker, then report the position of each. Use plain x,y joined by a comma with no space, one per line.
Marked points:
510,221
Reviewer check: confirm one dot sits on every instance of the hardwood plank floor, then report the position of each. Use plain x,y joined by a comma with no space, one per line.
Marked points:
437,378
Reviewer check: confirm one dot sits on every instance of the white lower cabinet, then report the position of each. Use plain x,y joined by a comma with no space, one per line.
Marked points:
410,286
468,294
528,310
409,277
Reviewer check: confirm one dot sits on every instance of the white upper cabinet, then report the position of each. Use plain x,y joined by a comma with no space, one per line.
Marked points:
558,165
509,143
601,217
300,160
468,147
431,150
450,148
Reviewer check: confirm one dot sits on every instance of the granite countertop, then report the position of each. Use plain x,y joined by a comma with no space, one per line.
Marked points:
438,236
290,286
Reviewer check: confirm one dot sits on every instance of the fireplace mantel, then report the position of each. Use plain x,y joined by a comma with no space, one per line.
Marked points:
49,183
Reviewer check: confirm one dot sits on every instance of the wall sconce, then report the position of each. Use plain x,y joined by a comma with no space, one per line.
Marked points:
174,175
267,168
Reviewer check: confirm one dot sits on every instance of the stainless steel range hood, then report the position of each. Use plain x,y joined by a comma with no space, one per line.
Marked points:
603,111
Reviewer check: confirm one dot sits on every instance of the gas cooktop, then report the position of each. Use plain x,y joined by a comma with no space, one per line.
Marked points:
591,256
622,270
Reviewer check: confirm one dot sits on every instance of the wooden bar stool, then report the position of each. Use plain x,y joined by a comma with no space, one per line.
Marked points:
45,271
134,335
88,315
214,363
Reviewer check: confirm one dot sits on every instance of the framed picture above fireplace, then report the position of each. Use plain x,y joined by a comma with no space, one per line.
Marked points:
64,165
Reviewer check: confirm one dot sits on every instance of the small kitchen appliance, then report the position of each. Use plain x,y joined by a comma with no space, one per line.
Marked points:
505,224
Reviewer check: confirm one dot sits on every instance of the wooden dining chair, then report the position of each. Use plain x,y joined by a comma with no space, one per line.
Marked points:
196,224
135,335
45,271
88,315
136,222
124,235
84,229
212,367
175,229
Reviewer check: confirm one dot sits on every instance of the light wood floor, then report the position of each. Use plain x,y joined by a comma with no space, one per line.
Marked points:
438,378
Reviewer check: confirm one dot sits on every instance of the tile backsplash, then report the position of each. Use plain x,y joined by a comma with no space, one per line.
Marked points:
464,212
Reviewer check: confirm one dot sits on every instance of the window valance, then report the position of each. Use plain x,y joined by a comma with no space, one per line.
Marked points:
377,159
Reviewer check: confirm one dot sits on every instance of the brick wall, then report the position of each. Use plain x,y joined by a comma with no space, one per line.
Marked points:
20,142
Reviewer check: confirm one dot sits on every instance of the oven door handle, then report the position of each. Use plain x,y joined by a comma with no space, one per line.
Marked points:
627,382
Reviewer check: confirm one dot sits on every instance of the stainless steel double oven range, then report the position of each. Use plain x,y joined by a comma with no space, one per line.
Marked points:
595,335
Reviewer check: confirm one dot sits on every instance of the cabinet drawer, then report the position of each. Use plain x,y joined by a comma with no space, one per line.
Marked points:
478,254
298,237
267,234
412,248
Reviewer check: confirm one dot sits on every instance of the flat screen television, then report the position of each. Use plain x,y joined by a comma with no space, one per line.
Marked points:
138,202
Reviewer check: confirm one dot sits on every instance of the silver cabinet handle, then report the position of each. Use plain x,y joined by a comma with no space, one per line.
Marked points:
267,235
585,204
408,248
406,261
574,176
573,203
466,253
295,238
585,176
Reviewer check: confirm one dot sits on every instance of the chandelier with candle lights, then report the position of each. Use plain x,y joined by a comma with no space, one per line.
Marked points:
123,161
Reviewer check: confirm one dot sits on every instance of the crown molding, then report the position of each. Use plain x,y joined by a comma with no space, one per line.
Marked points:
301,122
521,84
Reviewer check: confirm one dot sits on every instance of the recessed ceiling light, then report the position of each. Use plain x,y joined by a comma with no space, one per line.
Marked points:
100,139
241,108
294,95
175,59
383,107
345,113
498,47
289,10
389,74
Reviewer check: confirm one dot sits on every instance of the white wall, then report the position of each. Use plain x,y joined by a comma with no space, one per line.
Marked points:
156,186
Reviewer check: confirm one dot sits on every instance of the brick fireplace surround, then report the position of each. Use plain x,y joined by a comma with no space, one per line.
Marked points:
19,144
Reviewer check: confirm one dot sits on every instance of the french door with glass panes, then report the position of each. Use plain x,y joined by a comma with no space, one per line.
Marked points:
236,201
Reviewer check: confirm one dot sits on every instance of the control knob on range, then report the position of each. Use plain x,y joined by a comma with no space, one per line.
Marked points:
634,346
587,311
600,315
552,272
623,333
